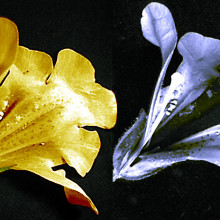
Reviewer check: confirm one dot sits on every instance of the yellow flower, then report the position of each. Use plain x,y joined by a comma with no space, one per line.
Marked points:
43,111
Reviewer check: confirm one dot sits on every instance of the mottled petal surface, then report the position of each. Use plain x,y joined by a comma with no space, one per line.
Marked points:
43,113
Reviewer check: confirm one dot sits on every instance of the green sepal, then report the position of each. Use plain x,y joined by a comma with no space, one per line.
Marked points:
2,169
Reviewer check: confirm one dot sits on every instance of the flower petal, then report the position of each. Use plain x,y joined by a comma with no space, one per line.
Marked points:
35,63
127,145
201,56
42,118
73,68
158,27
74,193
40,158
201,146
78,74
8,44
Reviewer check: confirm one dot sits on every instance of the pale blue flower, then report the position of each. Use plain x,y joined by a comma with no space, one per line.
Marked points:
199,68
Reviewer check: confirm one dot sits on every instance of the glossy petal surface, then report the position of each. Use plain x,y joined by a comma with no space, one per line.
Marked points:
8,44
43,113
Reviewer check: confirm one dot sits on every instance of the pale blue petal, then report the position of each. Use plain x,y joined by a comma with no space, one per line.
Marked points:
203,146
127,145
201,56
158,27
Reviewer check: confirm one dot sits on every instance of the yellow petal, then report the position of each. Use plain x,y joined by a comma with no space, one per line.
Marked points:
74,193
41,125
35,63
72,67
78,74
8,44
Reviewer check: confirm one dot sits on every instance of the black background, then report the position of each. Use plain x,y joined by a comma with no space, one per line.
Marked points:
109,35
